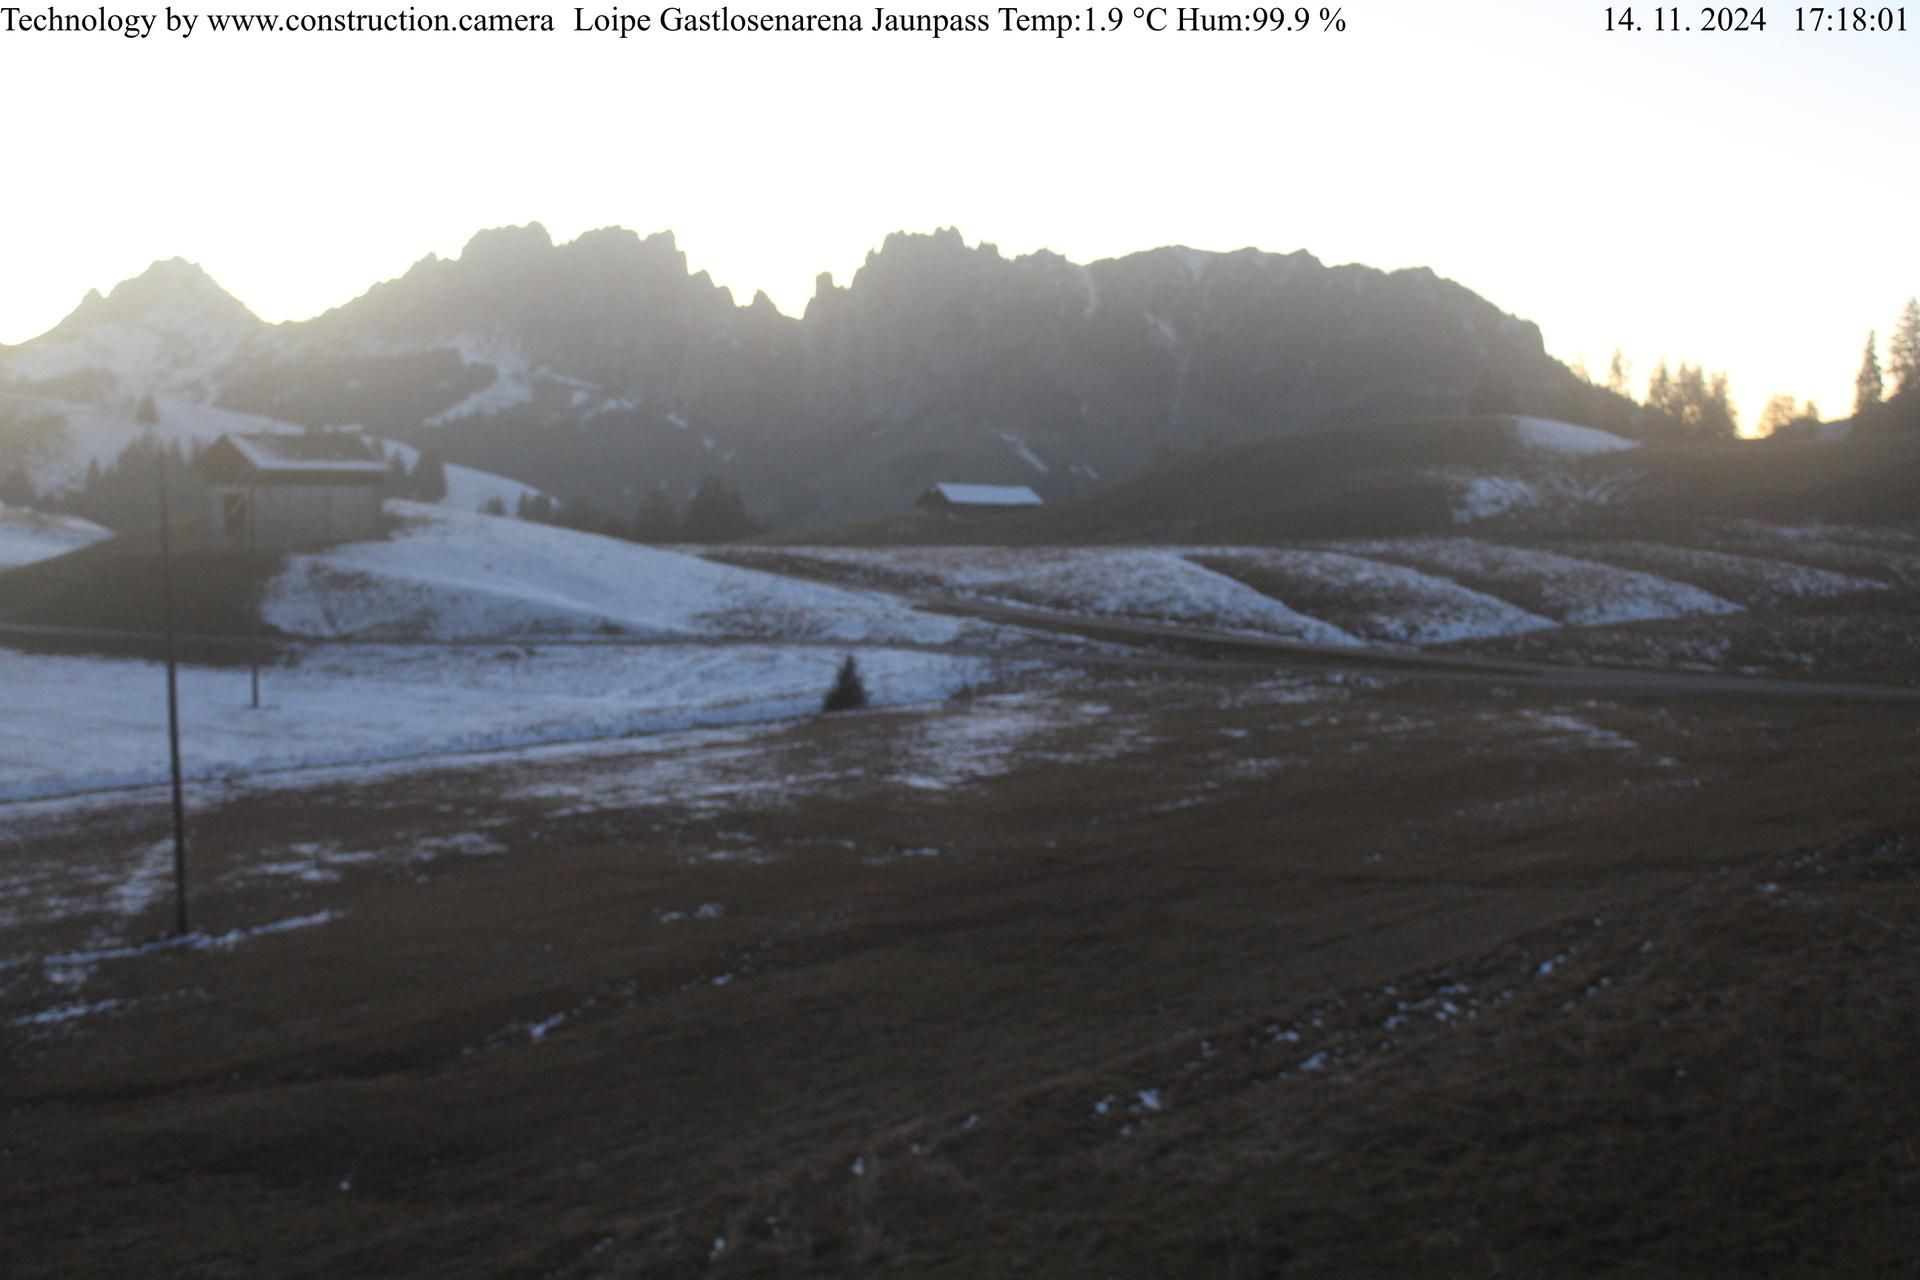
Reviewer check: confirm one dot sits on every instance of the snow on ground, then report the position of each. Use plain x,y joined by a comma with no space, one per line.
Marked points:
1480,495
119,882
27,535
1143,583
1752,581
1576,592
960,742
447,574
1378,600
1565,439
1881,550
70,725
182,340
511,387
92,433
468,488
1567,731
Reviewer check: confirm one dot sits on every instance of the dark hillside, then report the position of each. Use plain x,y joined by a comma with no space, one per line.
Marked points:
115,586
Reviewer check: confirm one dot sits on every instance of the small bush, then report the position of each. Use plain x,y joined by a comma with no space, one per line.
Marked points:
848,693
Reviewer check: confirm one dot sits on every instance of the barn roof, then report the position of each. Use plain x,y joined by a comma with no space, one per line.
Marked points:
985,495
310,457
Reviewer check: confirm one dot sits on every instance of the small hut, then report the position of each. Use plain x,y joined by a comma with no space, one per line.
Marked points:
977,499
294,492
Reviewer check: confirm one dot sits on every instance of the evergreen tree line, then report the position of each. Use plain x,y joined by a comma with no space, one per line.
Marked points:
1872,387
425,481
715,513
1683,402
125,494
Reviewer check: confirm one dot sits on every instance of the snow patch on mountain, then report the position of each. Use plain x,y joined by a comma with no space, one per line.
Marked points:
511,387
171,327
1027,455
90,433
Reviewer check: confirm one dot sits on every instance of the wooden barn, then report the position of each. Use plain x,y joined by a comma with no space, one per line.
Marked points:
293,492
977,499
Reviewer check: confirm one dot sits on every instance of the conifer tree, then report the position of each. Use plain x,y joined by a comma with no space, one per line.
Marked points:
656,520
849,692
1867,386
429,476
1903,350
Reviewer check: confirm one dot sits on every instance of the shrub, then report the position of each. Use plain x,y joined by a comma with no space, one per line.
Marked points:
848,693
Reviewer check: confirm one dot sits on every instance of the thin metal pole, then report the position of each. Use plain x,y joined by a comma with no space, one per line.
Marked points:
253,563
173,702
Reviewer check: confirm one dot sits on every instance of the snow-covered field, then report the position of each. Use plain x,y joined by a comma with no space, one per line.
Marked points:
74,724
27,535
1580,593
1150,584
1891,551
1378,600
1753,581
449,574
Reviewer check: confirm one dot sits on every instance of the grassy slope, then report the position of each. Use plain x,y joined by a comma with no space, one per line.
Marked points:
116,585
1088,930
1376,480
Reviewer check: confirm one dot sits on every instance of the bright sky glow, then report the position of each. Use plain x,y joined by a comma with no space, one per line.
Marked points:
1745,201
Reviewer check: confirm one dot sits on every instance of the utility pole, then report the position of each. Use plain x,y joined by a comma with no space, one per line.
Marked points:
253,567
173,697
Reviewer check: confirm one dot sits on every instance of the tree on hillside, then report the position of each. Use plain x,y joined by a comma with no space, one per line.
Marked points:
1867,387
849,692
656,520
16,490
1779,411
1659,387
397,485
1903,349
716,513
1619,370
147,413
1698,406
429,480
537,507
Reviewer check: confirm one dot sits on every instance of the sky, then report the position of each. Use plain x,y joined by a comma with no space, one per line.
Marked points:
1728,199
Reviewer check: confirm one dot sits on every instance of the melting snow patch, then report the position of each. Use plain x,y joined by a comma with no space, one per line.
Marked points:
1567,730
66,1013
1565,439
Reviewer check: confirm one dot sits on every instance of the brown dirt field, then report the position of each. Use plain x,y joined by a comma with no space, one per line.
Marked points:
1139,885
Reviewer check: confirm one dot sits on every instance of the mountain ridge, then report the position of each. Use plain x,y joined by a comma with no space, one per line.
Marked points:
605,366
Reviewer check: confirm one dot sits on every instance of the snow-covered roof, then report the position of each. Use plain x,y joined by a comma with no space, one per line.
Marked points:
985,495
334,455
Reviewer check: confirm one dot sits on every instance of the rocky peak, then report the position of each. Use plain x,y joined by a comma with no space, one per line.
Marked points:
171,294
